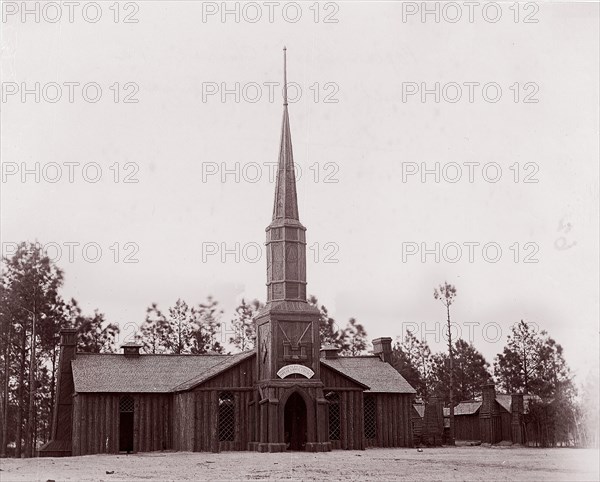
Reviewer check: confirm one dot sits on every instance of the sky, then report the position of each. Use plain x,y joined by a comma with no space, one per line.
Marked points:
461,150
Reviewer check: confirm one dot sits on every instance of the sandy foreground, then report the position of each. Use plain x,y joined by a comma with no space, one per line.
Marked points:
448,463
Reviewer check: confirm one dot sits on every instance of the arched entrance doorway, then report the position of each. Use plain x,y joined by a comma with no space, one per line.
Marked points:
295,422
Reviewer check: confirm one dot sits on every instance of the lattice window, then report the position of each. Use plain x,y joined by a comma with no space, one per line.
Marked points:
370,417
334,415
126,404
226,417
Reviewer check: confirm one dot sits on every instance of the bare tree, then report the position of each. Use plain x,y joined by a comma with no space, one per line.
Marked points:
446,294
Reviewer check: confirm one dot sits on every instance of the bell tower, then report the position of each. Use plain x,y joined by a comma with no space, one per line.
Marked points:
287,328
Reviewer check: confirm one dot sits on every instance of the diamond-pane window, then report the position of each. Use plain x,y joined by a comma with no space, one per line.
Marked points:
370,417
334,415
126,404
226,417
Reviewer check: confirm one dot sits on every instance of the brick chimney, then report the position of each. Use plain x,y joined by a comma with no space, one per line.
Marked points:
60,440
488,395
131,349
383,348
517,410
329,352
432,431
488,413
488,391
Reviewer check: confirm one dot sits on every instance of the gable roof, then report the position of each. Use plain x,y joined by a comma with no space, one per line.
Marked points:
229,362
377,375
470,407
116,373
94,372
504,400
420,409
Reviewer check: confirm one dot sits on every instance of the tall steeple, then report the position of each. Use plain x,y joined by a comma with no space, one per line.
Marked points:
286,243
287,328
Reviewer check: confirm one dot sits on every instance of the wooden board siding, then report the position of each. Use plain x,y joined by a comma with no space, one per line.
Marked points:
491,429
466,427
238,376
196,413
197,420
96,423
417,426
394,414
506,430
183,422
495,423
242,401
152,422
333,380
351,421
351,409
394,420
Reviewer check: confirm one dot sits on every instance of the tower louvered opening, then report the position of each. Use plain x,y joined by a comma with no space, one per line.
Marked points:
226,417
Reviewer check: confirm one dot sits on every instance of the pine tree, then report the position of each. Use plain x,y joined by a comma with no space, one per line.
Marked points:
412,358
94,334
471,370
329,332
152,331
354,339
207,327
531,363
244,329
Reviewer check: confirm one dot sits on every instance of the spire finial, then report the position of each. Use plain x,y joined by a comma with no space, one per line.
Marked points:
285,100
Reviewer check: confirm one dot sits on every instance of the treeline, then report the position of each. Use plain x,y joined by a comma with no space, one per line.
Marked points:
199,329
32,313
530,363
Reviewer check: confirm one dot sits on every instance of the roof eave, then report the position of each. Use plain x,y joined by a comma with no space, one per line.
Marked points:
183,388
345,375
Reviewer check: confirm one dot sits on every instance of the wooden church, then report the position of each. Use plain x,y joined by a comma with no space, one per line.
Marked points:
286,394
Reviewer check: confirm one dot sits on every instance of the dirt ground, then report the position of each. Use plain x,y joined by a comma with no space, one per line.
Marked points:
447,463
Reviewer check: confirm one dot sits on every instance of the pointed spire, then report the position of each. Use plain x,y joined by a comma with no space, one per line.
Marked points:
285,101
286,202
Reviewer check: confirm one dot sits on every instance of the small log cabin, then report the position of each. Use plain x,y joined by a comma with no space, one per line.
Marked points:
286,394
497,417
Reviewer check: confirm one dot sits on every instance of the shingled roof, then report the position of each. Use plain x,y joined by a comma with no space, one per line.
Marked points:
467,408
112,373
471,407
147,373
504,400
215,370
379,376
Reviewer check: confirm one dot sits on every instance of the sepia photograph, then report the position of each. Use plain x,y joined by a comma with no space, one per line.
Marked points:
305,240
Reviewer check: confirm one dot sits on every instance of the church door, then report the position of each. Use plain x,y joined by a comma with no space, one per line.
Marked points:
295,422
